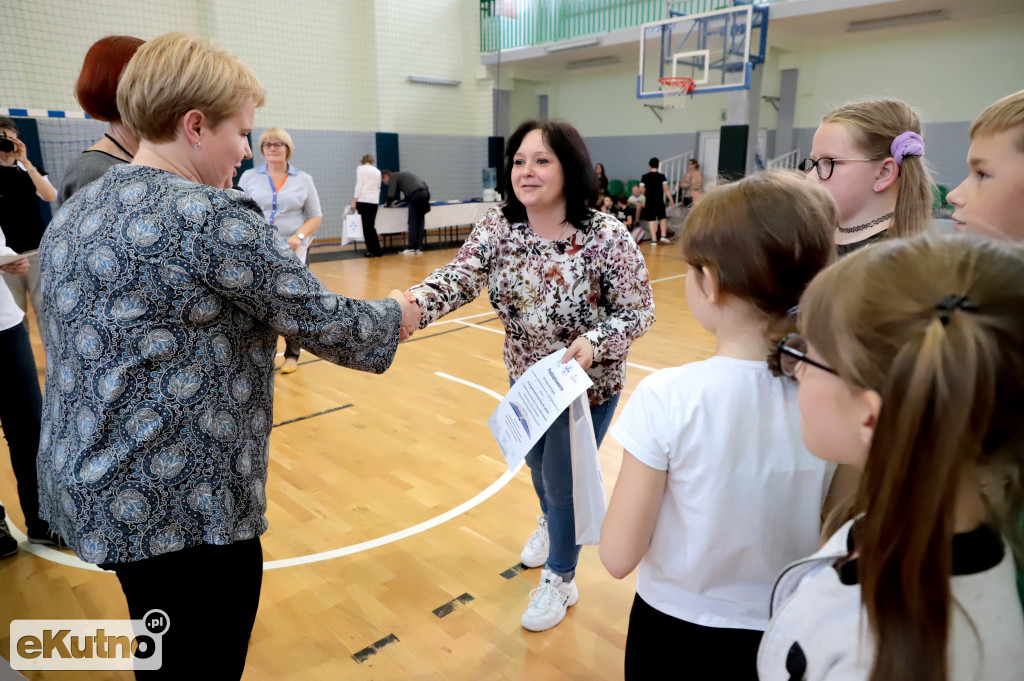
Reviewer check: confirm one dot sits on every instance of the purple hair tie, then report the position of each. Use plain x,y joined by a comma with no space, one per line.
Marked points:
906,144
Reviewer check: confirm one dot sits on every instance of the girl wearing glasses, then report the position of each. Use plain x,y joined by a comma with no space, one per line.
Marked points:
289,202
869,156
913,372
717,493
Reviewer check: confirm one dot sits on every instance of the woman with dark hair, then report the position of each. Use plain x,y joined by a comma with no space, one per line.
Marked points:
96,91
560,275
602,179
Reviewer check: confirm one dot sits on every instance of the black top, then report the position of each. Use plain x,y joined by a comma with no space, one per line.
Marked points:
19,209
976,551
654,188
846,249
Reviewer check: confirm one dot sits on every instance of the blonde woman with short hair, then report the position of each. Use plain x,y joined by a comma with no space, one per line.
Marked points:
290,203
165,293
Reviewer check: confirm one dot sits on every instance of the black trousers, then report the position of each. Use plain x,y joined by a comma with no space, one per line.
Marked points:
210,595
21,409
368,214
419,205
661,646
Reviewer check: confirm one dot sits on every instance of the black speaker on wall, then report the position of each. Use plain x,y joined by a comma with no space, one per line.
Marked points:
495,159
732,151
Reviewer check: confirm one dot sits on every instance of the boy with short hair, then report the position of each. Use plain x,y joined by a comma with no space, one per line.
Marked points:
991,200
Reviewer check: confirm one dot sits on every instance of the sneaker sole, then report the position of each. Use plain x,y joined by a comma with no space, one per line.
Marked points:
533,564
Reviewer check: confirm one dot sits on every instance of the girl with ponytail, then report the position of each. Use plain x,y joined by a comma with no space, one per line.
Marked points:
911,367
870,157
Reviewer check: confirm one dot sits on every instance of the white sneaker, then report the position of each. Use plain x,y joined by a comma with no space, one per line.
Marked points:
665,240
654,242
408,251
535,553
418,251
548,602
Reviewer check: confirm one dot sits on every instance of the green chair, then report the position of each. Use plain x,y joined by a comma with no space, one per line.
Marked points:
615,187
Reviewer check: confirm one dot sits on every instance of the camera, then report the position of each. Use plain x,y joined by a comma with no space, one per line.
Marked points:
5,144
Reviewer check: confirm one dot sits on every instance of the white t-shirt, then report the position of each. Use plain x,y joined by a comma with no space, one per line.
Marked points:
10,314
743,495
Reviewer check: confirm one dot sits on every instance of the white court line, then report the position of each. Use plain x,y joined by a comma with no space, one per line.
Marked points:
415,529
71,560
674,276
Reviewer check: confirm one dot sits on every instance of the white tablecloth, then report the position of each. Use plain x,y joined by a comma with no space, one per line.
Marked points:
441,216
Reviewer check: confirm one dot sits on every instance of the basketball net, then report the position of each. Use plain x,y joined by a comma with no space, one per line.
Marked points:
673,89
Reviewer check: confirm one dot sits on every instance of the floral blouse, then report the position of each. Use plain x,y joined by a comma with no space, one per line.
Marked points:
163,302
548,293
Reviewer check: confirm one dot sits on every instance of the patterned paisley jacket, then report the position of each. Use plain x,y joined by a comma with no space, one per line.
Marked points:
164,299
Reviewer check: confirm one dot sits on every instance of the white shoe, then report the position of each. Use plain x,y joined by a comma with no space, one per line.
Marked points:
548,602
408,251
665,240
535,553
418,251
654,242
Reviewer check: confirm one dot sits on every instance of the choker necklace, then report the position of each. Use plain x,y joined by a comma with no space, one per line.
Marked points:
861,228
117,144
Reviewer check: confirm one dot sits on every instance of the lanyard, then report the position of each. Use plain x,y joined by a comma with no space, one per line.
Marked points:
274,190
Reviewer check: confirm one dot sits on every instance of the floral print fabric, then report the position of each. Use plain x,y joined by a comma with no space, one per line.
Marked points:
164,299
548,293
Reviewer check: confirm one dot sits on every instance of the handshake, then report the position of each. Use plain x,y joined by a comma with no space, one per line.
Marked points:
410,313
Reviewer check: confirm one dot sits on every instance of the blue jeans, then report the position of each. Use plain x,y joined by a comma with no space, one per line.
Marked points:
551,467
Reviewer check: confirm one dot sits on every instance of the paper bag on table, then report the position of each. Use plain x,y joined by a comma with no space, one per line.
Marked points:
587,482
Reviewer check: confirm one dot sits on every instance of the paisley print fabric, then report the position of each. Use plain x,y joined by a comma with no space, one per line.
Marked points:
163,300
548,293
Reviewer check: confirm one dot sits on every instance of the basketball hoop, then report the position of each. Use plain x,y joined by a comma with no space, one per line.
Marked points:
672,90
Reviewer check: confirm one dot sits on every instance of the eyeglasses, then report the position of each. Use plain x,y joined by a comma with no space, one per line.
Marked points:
792,351
825,166
273,145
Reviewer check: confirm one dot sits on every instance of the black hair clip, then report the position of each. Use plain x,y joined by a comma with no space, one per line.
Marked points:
954,302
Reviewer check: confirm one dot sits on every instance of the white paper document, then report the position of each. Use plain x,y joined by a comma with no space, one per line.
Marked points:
7,259
534,402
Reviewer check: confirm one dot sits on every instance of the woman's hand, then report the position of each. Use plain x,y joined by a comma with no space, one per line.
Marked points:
582,351
295,242
410,313
19,267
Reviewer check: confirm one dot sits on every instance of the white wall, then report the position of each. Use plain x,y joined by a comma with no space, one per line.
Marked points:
326,64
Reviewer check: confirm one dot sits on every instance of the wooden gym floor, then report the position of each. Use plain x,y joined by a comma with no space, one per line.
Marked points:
395,526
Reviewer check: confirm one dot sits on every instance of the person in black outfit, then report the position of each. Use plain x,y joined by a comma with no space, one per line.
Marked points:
22,184
656,189
417,194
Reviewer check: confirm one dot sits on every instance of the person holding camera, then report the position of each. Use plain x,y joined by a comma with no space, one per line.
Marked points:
21,182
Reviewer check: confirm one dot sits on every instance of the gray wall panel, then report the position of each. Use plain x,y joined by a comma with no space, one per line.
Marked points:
451,165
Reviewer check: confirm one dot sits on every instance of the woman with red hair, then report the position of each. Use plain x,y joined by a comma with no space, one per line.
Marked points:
96,91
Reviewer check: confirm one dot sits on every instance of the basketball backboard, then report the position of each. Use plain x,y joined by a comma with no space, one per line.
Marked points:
718,49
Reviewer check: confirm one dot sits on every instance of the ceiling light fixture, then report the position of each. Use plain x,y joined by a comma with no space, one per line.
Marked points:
897,20
562,47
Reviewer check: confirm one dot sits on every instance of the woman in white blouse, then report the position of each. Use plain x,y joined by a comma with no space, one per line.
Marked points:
366,200
289,202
